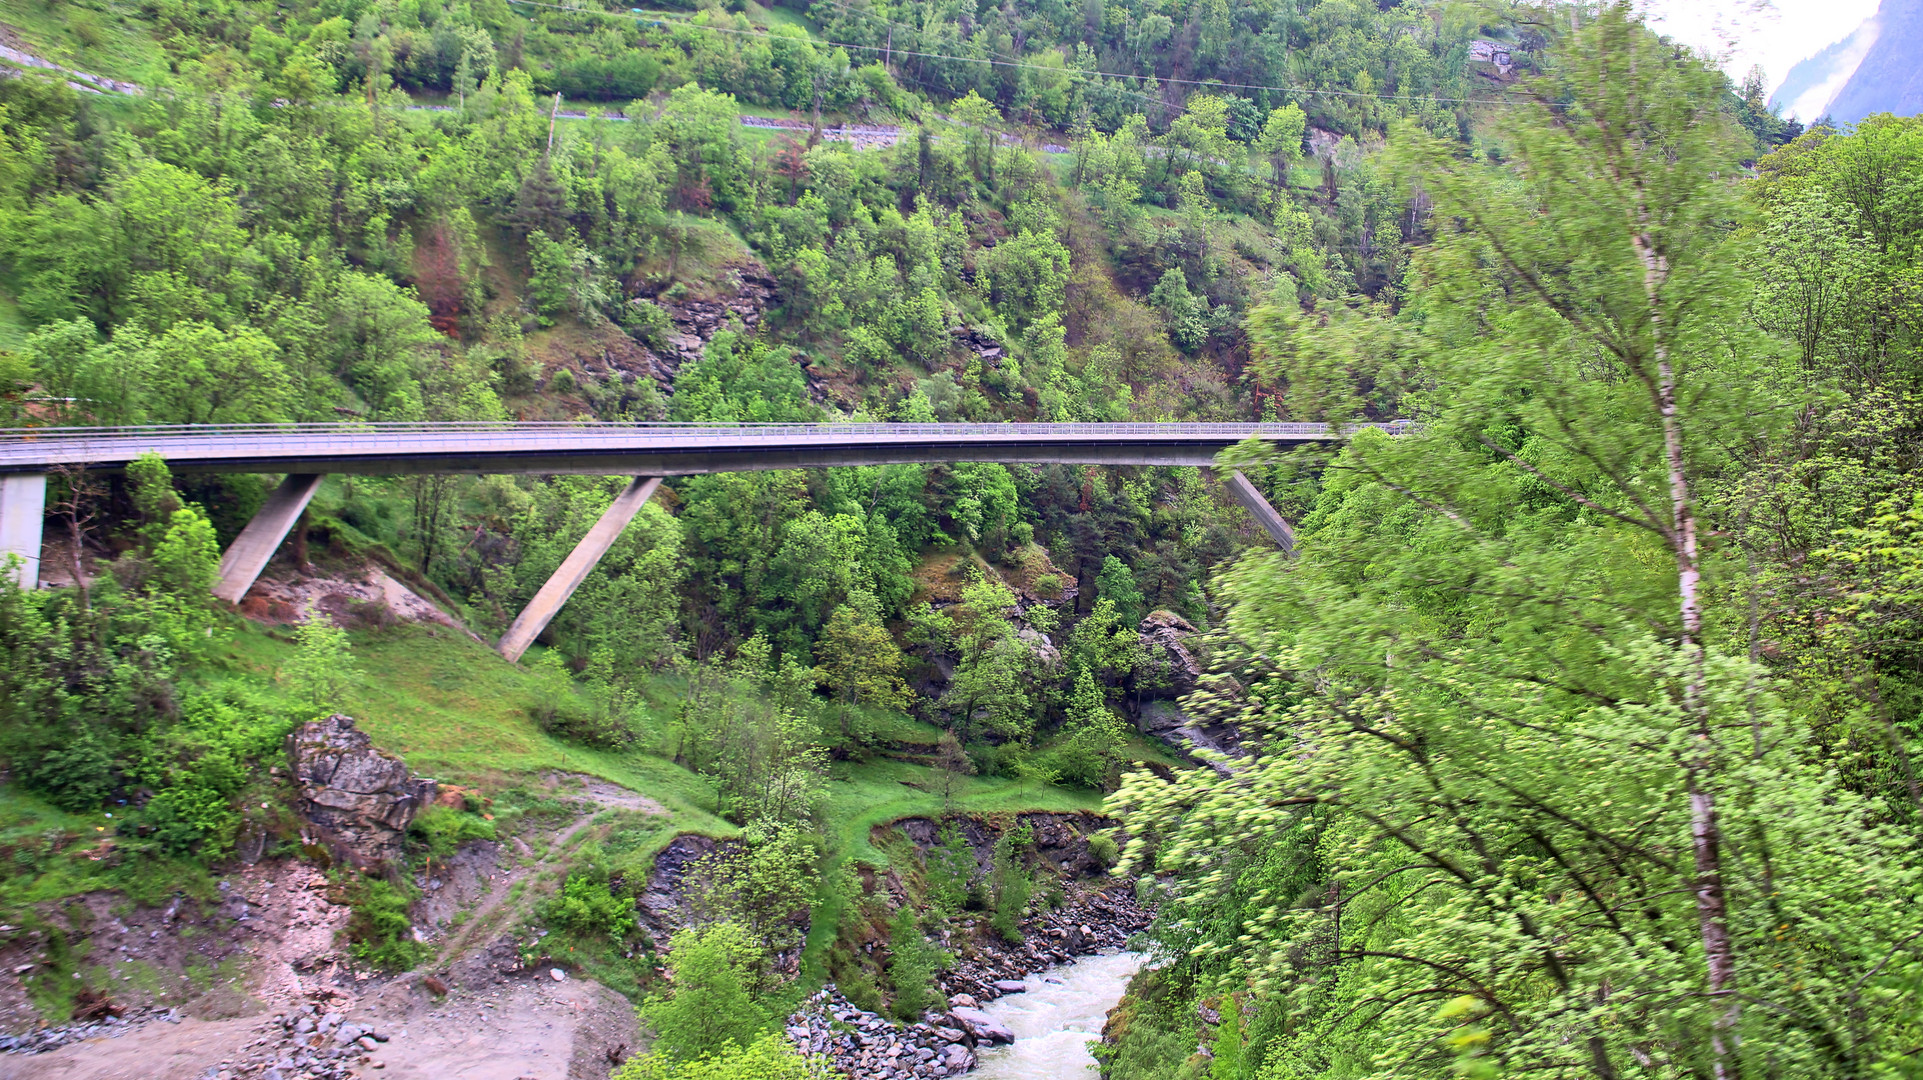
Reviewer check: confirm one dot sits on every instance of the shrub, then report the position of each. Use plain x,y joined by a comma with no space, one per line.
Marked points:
767,1058
442,829
589,725
1010,883
711,1009
1103,849
588,908
912,964
322,669
380,932
950,870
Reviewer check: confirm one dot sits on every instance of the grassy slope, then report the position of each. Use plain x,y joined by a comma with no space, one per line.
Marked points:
102,37
457,711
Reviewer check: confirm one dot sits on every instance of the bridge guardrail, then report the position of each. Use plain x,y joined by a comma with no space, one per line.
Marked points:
25,447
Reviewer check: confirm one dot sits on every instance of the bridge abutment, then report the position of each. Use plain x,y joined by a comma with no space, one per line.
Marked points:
247,556
576,567
23,513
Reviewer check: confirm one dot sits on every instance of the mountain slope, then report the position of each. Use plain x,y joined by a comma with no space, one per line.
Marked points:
1890,78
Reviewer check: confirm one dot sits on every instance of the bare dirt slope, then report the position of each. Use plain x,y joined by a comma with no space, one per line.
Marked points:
496,1020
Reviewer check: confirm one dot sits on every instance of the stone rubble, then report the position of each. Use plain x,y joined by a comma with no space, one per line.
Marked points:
41,1040
306,1043
864,1046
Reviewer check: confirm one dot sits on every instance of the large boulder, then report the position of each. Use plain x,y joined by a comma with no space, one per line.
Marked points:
984,1028
1173,666
1047,656
360,800
1173,724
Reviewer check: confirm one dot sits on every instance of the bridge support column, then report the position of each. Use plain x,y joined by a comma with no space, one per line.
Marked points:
576,567
23,510
247,556
1265,515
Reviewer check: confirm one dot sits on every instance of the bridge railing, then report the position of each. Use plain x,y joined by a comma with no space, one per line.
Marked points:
39,434
26,448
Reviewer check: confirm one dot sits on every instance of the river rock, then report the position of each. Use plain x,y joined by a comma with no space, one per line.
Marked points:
982,1026
359,799
1010,986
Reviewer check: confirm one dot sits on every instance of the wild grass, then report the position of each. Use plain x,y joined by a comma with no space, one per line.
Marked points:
100,37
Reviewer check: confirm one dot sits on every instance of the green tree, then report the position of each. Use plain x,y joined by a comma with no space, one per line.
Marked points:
1093,738
1503,685
913,962
710,1011
769,1057
1281,141
1115,582
322,671
858,659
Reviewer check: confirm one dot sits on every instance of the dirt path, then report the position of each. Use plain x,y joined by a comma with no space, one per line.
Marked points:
501,906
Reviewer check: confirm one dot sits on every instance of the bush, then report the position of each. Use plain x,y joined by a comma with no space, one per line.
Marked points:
588,908
322,670
950,871
1010,883
602,722
648,323
1103,849
711,1009
589,725
380,932
912,964
767,1058
442,829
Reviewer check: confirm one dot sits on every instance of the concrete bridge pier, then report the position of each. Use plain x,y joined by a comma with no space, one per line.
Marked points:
1278,527
23,510
576,567
247,556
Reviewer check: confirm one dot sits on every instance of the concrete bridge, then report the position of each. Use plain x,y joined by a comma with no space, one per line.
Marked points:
305,453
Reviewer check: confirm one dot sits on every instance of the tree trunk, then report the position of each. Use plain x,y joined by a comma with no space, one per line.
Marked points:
1712,910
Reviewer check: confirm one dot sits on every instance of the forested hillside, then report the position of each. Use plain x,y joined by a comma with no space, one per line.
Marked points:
1576,739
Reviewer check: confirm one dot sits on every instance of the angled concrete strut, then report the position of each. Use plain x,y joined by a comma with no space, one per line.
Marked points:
247,556
576,567
1278,526
23,510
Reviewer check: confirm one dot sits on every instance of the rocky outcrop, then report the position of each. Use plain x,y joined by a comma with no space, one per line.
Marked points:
660,904
1047,657
740,293
977,341
359,800
1169,722
1173,668
1060,840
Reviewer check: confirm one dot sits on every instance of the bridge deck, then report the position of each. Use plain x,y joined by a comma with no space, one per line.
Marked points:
629,449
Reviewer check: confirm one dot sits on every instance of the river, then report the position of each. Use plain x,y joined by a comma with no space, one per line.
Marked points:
1054,1021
